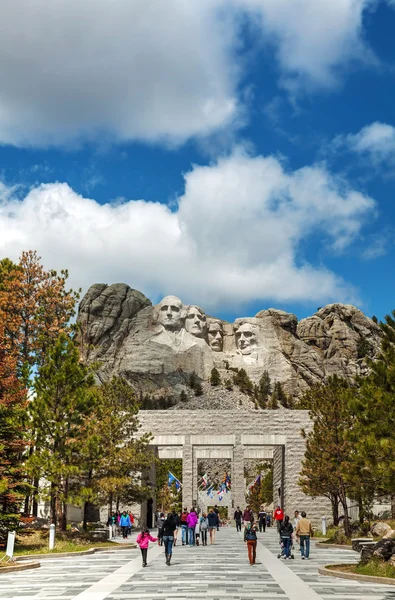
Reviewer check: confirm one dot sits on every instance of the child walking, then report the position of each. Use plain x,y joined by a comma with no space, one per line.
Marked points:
143,540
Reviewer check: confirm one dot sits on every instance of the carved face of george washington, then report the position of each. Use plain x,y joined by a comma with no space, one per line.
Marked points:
170,313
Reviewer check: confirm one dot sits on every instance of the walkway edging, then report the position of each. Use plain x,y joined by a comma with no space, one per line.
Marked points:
336,546
77,553
354,576
24,567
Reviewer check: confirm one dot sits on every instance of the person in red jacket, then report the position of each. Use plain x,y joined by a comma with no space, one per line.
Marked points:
278,516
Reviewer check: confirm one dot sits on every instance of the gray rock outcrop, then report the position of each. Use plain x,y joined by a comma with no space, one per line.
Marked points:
156,348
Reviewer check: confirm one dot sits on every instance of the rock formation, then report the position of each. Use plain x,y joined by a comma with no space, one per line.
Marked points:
156,348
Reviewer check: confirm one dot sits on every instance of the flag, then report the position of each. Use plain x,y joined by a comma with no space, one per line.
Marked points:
171,478
178,485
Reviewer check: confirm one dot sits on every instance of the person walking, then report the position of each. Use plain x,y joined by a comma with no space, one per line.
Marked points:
304,530
112,522
248,516
262,519
125,524
216,510
251,539
238,518
203,529
184,526
169,527
192,519
177,520
212,519
159,524
286,531
143,539
278,516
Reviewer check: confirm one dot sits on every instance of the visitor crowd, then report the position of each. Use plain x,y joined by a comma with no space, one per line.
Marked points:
200,529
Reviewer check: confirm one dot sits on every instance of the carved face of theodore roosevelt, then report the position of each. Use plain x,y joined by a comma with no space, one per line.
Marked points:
215,336
246,340
170,313
195,322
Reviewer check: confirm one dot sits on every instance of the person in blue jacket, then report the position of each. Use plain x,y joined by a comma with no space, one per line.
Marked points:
125,524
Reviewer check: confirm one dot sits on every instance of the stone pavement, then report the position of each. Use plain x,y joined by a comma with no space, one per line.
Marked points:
219,572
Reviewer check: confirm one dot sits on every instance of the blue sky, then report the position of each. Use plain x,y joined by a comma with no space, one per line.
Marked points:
239,154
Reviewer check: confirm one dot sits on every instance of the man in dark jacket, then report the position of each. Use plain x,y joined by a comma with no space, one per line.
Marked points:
169,526
238,517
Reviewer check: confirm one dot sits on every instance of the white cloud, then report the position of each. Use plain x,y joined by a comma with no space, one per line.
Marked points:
162,71
235,235
377,141
314,40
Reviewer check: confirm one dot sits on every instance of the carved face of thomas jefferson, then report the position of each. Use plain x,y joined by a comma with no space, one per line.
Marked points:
215,336
170,313
246,339
195,322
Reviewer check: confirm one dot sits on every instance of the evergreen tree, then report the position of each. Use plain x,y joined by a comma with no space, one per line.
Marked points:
243,382
329,452
198,389
193,380
183,396
113,457
263,390
62,404
215,378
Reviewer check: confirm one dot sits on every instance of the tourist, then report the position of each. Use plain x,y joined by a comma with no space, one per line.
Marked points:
297,518
125,524
304,530
169,527
268,520
248,516
278,516
184,526
203,528
192,519
216,510
262,519
212,519
131,517
159,524
251,538
197,531
286,531
177,520
112,522
238,518
143,540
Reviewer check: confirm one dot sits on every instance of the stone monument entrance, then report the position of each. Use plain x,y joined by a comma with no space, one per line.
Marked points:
236,435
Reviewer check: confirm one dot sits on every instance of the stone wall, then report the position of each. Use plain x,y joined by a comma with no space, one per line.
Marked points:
280,430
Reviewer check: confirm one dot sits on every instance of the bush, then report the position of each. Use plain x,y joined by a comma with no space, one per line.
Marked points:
8,522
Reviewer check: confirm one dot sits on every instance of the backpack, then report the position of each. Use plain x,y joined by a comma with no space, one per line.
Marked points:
183,519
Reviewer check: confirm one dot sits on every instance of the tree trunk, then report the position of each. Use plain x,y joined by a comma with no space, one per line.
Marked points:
110,500
86,504
53,504
393,506
63,524
36,482
335,510
361,510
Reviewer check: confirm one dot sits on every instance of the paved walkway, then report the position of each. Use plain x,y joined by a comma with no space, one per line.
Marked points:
219,572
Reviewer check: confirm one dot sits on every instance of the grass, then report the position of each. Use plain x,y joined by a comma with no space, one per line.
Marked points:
374,568
36,542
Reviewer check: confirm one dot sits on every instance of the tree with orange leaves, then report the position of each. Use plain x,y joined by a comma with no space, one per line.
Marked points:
13,401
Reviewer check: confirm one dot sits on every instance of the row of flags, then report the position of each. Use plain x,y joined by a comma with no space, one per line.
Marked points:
224,486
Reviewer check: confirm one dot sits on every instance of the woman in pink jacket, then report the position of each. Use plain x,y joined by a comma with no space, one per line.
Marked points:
192,519
143,540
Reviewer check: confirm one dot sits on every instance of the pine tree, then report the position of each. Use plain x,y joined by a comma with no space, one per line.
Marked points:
183,396
215,378
63,403
193,380
263,390
243,382
198,389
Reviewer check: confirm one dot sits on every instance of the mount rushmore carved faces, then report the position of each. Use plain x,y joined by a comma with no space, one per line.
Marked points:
170,313
215,336
246,339
195,322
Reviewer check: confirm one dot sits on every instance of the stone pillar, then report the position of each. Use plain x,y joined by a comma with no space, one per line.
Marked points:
194,478
187,473
238,481
278,476
148,507
294,498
